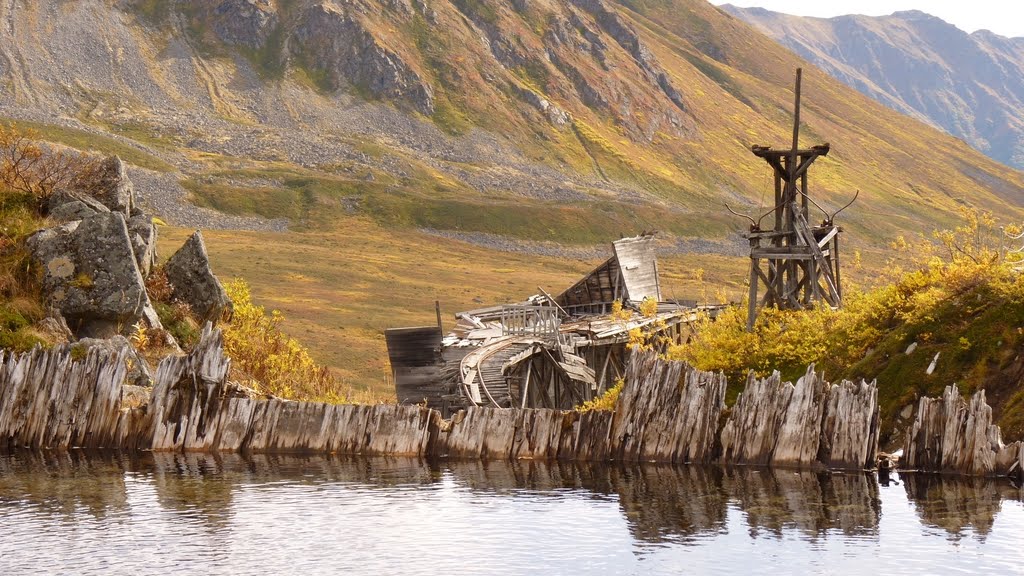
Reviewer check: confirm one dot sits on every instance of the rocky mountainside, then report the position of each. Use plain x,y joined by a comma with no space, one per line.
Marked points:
469,115
363,158
970,85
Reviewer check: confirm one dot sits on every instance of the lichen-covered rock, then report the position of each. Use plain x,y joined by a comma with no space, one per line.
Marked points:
246,23
193,281
66,206
113,188
91,275
334,40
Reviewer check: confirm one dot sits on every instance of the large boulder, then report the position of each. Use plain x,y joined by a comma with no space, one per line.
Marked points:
91,275
193,282
66,206
113,188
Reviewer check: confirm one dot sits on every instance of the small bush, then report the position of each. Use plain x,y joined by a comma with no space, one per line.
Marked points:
267,359
29,168
177,320
605,402
157,285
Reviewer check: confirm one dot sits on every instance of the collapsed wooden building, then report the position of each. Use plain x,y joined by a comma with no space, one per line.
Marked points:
547,351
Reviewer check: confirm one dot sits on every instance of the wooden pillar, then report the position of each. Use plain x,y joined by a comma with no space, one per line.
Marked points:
835,260
524,393
804,197
752,304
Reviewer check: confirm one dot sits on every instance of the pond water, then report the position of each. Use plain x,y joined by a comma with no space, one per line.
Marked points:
79,514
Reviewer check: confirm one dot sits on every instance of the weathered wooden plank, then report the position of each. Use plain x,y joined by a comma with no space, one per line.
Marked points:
849,438
810,424
667,412
637,265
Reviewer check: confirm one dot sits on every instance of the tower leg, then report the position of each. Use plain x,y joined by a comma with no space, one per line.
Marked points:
752,303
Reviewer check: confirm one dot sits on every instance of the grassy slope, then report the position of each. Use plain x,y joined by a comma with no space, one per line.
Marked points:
978,339
339,291
908,173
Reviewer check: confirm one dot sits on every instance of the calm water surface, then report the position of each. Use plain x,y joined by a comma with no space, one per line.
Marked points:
78,514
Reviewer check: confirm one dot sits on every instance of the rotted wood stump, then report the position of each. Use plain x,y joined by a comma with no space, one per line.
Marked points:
954,435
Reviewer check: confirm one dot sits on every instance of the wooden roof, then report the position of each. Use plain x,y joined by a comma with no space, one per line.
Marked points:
639,267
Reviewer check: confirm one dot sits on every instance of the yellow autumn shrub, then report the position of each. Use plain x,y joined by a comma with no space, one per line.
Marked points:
268,360
965,261
605,402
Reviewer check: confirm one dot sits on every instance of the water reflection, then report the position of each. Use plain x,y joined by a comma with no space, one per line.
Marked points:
64,483
211,503
959,505
813,503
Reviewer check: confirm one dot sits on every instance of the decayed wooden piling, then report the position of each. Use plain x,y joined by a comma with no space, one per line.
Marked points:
951,434
195,408
809,424
667,412
48,400
849,430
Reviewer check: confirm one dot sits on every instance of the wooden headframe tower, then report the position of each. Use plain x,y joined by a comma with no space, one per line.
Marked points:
797,264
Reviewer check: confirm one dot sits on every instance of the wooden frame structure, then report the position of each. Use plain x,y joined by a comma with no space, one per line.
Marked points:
548,351
798,264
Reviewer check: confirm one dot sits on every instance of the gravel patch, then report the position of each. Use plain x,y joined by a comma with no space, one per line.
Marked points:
162,195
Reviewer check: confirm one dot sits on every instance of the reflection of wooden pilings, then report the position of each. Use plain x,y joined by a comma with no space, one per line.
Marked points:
958,504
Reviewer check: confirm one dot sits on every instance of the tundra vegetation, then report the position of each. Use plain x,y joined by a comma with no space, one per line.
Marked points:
957,302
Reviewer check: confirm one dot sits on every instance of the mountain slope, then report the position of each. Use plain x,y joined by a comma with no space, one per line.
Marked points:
970,85
536,123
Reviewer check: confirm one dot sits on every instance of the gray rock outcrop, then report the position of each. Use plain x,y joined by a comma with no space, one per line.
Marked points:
113,188
112,192
66,206
194,283
616,26
246,23
334,40
142,233
91,274
555,115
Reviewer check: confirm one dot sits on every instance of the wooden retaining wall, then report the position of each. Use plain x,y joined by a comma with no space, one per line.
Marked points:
667,412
